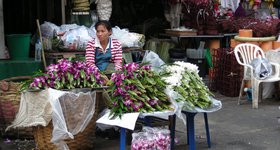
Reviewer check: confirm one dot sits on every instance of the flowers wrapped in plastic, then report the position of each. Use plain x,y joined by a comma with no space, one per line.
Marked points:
137,89
68,75
151,139
183,78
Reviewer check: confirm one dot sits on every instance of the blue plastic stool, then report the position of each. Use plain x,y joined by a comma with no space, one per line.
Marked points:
190,130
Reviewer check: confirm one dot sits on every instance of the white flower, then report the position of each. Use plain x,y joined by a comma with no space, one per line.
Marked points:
174,80
191,67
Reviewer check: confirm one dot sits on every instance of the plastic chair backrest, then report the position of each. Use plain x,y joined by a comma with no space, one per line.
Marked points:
246,52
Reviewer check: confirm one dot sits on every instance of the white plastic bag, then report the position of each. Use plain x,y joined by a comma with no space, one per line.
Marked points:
262,68
49,30
77,39
128,39
154,60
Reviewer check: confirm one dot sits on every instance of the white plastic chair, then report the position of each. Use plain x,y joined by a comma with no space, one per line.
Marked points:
244,54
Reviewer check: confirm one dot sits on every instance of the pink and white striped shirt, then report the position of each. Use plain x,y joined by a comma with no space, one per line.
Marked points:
116,52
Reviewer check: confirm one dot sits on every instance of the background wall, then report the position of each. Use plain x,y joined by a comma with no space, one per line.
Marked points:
20,15
2,40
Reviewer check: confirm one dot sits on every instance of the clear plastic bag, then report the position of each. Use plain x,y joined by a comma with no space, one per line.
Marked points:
128,39
72,112
262,68
151,138
77,39
49,30
155,61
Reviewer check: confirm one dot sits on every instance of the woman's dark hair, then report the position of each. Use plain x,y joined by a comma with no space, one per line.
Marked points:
105,23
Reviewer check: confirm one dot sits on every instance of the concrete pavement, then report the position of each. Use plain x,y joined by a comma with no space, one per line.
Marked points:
234,127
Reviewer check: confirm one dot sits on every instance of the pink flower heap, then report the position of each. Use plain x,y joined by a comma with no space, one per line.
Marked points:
137,89
151,139
68,75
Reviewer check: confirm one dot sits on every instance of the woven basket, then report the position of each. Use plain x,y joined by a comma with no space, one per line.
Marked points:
9,106
82,141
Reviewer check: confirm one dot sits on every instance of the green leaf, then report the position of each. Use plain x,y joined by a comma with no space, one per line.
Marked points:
83,74
132,93
122,106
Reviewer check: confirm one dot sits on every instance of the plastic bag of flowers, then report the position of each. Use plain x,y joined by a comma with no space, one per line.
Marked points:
190,90
151,139
136,88
67,75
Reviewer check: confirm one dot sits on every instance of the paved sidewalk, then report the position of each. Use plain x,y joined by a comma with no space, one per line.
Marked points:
234,127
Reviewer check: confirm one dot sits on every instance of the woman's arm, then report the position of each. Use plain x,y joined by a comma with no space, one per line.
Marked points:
90,54
117,54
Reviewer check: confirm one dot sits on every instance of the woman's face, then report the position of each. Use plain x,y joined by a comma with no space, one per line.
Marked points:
102,33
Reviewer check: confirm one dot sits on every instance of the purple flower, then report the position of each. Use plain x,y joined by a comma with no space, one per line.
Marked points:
121,91
146,67
64,65
52,68
128,102
127,87
153,102
115,104
77,75
137,106
63,73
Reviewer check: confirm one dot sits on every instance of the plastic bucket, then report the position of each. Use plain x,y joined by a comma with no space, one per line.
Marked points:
18,45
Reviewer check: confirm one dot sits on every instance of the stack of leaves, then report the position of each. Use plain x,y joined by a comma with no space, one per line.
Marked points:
137,89
68,75
183,78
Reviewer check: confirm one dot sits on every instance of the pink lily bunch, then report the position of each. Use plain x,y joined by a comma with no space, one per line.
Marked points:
137,89
151,139
68,75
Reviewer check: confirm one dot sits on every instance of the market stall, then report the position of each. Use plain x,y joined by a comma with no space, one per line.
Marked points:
138,92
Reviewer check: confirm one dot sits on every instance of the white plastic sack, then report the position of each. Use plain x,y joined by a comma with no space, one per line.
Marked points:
154,60
126,38
68,27
262,68
77,39
49,30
